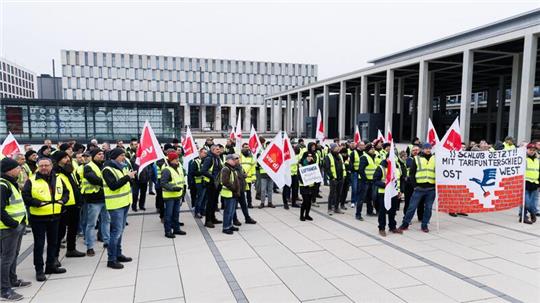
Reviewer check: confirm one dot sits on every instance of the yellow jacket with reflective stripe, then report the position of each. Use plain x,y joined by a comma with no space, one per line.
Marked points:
120,197
249,165
533,170
333,165
425,170
225,192
65,179
198,179
177,180
86,186
15,206
372,165
41,191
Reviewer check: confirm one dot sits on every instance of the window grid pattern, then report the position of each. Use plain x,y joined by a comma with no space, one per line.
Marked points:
15,81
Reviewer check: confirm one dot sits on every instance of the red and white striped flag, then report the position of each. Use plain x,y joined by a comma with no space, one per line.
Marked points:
289,158
389,138
319,132
390,189
149,150
380,136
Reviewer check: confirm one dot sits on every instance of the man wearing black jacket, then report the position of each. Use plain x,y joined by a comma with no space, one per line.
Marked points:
45,194
334,169
366,170
69,220
12,227
92,192
210,169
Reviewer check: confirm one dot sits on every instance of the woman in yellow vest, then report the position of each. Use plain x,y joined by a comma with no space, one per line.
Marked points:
45,194
12,227
174,188
118,198
308,192
532,182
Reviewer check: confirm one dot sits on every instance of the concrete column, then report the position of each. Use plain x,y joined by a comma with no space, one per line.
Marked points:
217,119
431,76
513,119
326,100
299,114
527,88
421,104
232,115
261,127
187,116
400,104
414,107
364,95
341,108
312,103
501,103
466,93
277,115
491,102
247,119
203,117
289,114
389,108
377,98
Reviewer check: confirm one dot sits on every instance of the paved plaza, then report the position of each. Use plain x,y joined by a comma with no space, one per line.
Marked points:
481,258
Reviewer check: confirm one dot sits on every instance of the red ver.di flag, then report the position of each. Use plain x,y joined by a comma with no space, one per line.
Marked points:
273,162
190,150
254,142
480,181
10,147
149,150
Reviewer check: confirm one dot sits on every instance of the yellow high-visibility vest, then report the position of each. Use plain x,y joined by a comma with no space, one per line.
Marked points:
120,197
425,170
533,170
86,186
370,168
225,192
15,206
41,191
177,179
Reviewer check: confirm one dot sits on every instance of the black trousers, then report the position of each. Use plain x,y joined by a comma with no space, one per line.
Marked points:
138,191
294,189
383,212
45,229
307,199
159,202
336,186
248,195
69,221
193,194
286,195
212,195
344,191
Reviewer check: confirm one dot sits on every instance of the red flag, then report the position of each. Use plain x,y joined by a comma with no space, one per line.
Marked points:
380,136
391,178
190,150
452,138
238,132
357,137
254,142
389,135
319,133
432,137
272,160
10,147
149,150
289,158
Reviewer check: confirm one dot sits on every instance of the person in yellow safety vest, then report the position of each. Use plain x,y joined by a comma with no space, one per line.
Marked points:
118,198
286,193
12,226
211,166
302,146
249,165
346,178
335,170
94,202
354,167
509,143
243,177
379,182
231,189
258,171
24,174
422,174
200,189
383,153
68,148
308,192
415,142
365,173
532,183
30,166
173,185
295,178
69,220
86,158
44,194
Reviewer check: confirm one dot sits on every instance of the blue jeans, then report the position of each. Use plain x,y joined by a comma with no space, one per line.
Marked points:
365,190
266,189
93,210
228,212
81,229
354,187
531,198
429,196
200,207
243,205
171,220
118,222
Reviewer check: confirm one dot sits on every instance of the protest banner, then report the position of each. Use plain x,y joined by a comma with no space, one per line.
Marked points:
480,181
310,174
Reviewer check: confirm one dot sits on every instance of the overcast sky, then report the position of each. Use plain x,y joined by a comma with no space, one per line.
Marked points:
339,37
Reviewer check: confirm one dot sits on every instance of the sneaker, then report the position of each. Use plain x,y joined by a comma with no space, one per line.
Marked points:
235,228
316,204
12,296
330,212
452,214
250,221
382,233
533,218
526,221
134,209
180,232
90,252
57,263
181,223
343,207
215,221
250,205
302,218
261,206
228,231
463,214
40,276
359,218
123,259
55,270
75,254
21,284
352,205
237,223
403,228
170,235
115,265
209,224
295,205
152,193
309,218
198,216
371,215
143,208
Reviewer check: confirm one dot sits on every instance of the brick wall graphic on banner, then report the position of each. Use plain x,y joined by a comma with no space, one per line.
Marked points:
478,181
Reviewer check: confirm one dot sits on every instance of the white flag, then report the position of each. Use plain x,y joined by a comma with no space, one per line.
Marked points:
289,158
380,136
432,137
272,160
319,131
253,141
390,190
452,138
10,147
238,132
149,150
190,149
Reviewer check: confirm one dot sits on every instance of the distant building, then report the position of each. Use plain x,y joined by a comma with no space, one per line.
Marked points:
49,87
16,81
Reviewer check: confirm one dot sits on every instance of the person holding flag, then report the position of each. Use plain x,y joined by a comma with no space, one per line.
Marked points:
422,175
386,181
272,169
308,192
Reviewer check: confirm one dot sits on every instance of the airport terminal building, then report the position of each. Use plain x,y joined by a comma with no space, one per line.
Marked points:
488,76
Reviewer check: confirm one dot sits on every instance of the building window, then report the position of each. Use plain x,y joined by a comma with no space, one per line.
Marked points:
113,59
85,58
